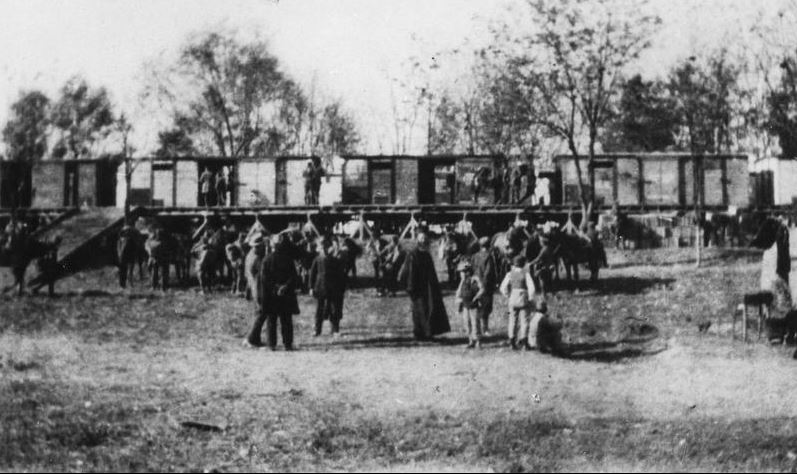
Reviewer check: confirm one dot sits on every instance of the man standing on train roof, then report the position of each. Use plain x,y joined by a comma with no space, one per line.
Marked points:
221,188
517,179
498,184
309,176
506,185
419,277
318,175
205,186
485,268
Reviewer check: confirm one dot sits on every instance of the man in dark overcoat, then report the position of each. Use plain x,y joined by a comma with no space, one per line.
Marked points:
419,277
328,286
277,282
485,268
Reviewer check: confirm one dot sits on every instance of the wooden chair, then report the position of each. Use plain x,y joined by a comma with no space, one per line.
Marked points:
763,300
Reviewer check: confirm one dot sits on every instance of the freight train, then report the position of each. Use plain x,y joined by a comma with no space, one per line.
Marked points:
630,180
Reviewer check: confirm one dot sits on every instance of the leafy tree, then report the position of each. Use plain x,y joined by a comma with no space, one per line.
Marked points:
447,126
645,119
175,141
706,96
25,133
232,98
82,116
782,105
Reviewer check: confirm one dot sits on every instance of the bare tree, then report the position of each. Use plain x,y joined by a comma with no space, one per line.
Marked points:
570,62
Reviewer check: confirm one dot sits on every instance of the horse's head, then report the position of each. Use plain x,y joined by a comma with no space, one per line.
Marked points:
767,233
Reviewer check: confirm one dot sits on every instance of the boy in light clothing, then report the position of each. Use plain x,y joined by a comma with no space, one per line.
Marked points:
518,288
469,293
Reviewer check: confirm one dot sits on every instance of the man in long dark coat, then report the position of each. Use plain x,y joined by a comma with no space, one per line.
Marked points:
277,282
419,276
328,285
485,268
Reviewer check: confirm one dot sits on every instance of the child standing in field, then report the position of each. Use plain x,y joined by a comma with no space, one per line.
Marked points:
518,288
469,294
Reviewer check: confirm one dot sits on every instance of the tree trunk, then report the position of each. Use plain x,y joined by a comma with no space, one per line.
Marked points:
128,186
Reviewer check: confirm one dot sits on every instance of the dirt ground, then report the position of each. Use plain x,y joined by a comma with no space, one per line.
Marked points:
104,379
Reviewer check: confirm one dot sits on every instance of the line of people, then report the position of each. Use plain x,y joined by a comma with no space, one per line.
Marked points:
277,283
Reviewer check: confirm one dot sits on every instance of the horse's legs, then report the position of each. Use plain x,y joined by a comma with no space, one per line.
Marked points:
165,276
19,279
122,270
153,275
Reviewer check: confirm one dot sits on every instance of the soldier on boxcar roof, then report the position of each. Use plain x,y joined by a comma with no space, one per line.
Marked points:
206,186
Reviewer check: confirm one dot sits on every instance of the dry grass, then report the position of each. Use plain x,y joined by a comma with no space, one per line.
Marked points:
101,379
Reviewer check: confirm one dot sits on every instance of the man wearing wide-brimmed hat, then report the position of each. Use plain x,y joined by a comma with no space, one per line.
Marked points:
468,296
419,277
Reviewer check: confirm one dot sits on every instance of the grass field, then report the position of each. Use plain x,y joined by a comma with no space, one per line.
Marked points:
104,379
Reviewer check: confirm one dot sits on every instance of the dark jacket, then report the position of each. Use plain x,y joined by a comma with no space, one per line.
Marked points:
327,278
277,282
484,267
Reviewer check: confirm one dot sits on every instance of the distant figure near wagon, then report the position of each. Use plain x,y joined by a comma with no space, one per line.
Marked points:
309,177
419,277
206,186
221,188
318,175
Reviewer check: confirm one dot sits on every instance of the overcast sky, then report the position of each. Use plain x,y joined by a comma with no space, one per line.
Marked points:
351,47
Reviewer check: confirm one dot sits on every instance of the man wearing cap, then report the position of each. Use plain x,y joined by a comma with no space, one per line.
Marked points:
419,277
468,295
327,285
485,268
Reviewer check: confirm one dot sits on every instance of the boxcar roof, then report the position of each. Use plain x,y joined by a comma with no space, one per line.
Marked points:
652,156
307,157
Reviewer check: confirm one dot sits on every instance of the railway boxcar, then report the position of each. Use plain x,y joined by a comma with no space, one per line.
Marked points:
73,183
410,180
15,184
658,179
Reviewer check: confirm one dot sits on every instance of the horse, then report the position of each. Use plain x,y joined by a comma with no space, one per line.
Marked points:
20,251
235,254
576,249
350,250
180,255
207,264
130,252
160,248
507,245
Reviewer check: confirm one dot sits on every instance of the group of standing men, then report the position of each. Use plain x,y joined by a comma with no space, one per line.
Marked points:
213,188
277,282
511,184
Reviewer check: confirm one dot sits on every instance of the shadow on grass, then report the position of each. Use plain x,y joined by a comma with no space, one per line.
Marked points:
638,343
399,342
613,285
